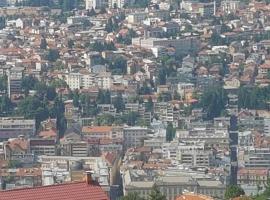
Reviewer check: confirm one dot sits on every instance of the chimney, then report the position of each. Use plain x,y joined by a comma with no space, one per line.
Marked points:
89,178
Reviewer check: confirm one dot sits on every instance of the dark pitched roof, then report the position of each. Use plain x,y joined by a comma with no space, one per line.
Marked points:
68,191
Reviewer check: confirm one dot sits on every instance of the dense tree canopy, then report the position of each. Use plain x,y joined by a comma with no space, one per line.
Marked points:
213,101
132,196
119,66
3,83
253,97
170,132
2,22
119,103
53,55
233,191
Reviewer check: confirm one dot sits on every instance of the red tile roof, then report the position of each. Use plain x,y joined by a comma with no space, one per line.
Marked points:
68,191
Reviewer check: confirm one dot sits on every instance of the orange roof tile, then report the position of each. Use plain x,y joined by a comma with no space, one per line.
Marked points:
95,129
69,191
191,196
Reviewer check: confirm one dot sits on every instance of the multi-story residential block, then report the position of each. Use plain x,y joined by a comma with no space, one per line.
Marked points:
77,19
212,137
80,80
134,136
12,127
171,183
182,46
190,154
57,169
104,80
74,148
119,3
17,149
230,6
205,9
15,75
102,132
137,17
107,109
254,157
42,147
252,176
95,4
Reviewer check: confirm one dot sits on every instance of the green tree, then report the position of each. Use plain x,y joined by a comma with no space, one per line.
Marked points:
149,105
68,5
213,101
57,112
253,97
112,25
119,103
100,97
3,83
70,44
107,97
91,12
6,106
162,76
233,191
170,132
76,98
28,83
176,95
145,89
14,164
43,43
104,120
165,97
156,194
2,22
58,83
119,66
131,118
102,10
50,93
132,196
53,55
33,108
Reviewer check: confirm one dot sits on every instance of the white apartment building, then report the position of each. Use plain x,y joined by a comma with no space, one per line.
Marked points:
229,6
95,4
267,126
119,3
137,17
185,87
56,169
79,80
104,80
191,154
181,45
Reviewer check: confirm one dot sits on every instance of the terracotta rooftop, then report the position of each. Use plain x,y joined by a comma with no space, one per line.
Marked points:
68,191
95,129
18,143
48,134
191,196
257,172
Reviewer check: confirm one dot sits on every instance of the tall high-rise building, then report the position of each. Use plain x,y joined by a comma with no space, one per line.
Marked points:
15,75
96,4
233,136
